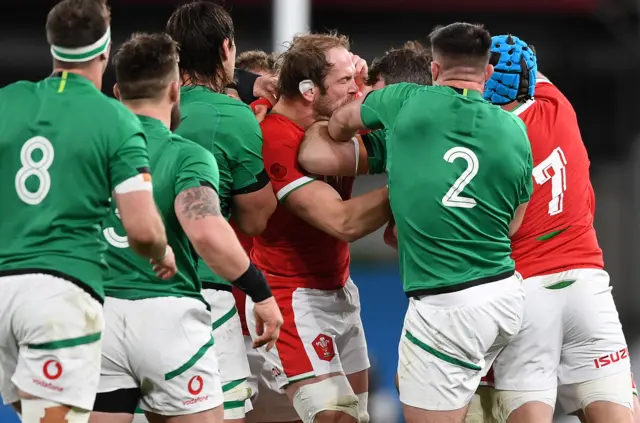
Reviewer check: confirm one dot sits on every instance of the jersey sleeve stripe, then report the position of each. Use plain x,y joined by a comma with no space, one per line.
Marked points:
292,186
140,182
524,107
356,145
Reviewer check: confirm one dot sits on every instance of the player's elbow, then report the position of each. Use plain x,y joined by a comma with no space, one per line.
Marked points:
252,225
144,239
345,228
252,213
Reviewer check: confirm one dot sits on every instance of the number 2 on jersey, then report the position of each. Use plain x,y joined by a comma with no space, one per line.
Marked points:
453,198
556,162
34,168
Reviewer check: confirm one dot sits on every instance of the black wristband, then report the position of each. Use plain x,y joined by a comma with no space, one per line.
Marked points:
254,284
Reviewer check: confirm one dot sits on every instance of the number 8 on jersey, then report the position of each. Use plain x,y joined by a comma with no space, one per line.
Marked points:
34,168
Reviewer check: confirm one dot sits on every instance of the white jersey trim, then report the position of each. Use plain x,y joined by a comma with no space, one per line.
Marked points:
140,182
356,145
524,107
292,186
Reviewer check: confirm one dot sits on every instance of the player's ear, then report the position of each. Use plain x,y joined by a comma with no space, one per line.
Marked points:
488,72
116,91
226,49
435,71
174,92
307,89
104,59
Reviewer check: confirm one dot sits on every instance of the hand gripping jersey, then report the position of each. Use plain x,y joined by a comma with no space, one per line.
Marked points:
178,165
290,251
557,233
458,168
64,147
227,128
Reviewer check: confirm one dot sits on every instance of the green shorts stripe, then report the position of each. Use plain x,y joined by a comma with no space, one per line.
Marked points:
561,284
224,319
193,360
229,386
67,343
233,404
441,356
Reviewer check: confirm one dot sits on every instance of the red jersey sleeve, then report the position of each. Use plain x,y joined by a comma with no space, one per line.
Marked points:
280,154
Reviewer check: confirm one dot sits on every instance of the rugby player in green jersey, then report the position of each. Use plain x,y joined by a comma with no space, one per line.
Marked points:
227,128
145,315
459,174
65,149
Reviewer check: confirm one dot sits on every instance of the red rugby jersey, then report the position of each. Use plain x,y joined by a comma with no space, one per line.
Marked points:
290,251
557,233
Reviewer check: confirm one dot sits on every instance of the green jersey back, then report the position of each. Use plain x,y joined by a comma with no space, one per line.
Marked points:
177,165
227,128
458,168
64,147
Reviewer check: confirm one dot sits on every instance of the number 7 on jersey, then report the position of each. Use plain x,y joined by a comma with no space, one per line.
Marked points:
542,173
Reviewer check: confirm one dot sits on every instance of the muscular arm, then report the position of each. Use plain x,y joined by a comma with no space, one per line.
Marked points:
322,155
142,222
346,121
198,211
252,211
321,206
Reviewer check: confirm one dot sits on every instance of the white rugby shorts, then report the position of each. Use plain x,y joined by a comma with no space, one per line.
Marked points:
50,332
322,334
571,333
163,346
449,339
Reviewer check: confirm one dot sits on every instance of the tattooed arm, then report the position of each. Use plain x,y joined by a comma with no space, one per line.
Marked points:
198,210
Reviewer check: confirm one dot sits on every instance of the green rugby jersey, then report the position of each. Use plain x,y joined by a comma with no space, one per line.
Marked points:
458,168
64,147
375,142
177,165
227,128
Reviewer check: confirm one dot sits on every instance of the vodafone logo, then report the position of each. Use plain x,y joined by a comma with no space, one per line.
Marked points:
195,385
52,369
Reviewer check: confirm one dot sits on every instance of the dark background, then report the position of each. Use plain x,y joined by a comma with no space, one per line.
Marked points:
589,48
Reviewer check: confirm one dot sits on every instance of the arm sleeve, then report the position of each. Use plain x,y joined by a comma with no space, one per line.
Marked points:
380,108
280,151
197,168
245,81
375,143
247,169
128,158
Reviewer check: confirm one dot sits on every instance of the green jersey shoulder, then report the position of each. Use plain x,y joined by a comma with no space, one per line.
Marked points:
229,129
67,146
177,165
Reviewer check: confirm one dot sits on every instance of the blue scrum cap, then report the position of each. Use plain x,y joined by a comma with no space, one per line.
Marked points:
515,69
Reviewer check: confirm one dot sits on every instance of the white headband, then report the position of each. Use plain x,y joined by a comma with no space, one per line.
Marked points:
83,54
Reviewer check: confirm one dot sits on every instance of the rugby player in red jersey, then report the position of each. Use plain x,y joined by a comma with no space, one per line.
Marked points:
571,345
321,359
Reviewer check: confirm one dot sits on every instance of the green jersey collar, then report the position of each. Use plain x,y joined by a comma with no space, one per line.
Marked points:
467,92
153,125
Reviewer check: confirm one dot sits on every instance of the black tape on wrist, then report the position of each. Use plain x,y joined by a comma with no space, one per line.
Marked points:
254,284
